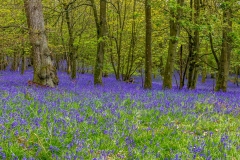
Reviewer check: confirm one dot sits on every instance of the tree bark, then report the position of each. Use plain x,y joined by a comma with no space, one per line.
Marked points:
148,47
224,62
44,71
172,46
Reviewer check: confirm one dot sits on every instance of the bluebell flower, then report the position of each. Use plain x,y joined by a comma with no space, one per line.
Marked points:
14,124
53,149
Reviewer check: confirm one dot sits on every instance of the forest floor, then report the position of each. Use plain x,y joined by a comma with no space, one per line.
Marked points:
116,121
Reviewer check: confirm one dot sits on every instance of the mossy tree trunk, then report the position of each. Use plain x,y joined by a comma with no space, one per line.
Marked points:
172,46
224,62
44,71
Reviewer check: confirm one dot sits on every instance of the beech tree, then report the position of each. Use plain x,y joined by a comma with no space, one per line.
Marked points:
44,70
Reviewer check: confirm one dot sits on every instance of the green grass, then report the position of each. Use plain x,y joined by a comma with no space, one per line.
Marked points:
151,133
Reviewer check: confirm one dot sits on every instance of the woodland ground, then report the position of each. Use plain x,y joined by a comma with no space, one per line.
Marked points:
116,121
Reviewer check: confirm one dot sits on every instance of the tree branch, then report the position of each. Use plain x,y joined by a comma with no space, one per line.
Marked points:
13,26
213,51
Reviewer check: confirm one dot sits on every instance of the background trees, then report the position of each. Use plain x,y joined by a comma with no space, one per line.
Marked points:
105,37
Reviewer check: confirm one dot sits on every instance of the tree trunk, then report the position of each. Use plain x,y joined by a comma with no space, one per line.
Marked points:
118,64
196,43
83,68
57,58
112,61
181,77
2,61
23,56
161,67
15,62
130,57
118,39
23,66
69,68
148,48
185,73
194,48
173,42
101,32
212,75
204,67
44,71
236,75
224,63
72,52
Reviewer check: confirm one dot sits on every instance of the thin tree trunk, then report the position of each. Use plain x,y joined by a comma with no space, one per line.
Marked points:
1,61
182,82
194,48
111,51
132,45
83,68
236,75
213,51
15,62
111,57
148,48
101,32
204,68
69,67
23,66
119,67
72,52
161,67
44,71
181,67
23,56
